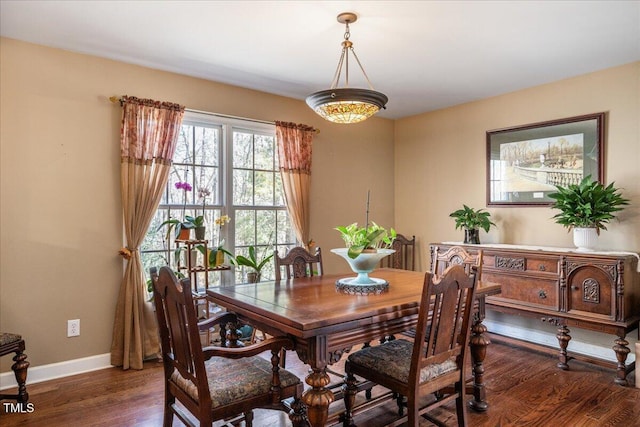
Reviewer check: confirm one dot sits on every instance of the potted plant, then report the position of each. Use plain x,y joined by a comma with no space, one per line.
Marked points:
586,208
365,239
365,247
182,228
472,220
253,262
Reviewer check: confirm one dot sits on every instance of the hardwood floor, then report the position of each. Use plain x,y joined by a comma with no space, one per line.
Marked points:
524,388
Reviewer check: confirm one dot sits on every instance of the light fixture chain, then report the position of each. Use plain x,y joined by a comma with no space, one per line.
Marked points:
362,68
336,76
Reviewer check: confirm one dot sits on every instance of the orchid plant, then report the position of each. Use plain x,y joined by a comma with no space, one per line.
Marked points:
172,223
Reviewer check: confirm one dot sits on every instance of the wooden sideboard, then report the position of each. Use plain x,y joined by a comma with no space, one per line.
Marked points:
598,291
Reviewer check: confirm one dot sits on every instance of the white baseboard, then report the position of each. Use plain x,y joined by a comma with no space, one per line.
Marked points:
595,349
36,374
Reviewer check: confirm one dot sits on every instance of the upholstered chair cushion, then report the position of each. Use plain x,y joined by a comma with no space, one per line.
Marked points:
232,380
393,359
7,338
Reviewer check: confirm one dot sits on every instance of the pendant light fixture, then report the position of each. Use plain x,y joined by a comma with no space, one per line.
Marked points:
347,105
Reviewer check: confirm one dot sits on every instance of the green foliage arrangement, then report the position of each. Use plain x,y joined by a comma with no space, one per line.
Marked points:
587,205
253,261
359,239
472,219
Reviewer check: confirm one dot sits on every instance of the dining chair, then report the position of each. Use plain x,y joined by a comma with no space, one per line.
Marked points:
440,260
431,365
298,262
404,256
10,344
216,383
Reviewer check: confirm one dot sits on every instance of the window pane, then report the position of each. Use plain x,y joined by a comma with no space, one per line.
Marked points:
279,191
207,146
242,187
207,178
183,146
177,196
264,149
242,150
285,229
266,227
245,228
263,188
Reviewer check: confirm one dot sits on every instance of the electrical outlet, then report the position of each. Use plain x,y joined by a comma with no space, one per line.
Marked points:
73,328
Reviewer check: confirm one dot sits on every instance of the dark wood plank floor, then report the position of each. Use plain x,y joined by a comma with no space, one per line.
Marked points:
524,388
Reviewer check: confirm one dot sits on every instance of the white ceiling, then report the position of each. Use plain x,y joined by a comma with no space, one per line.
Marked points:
424,55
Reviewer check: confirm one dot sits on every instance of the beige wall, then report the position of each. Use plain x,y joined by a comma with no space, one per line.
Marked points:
60,219
440,160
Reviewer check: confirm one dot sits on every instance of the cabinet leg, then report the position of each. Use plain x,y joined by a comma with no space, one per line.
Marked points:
622,350
563,340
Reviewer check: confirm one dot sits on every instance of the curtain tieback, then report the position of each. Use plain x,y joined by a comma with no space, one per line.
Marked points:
126,253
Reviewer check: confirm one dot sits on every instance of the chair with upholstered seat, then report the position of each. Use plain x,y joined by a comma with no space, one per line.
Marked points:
424,366
404,256
9,344
216,383
298,262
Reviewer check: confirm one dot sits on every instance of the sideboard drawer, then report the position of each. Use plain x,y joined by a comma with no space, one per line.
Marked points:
519,290
521,262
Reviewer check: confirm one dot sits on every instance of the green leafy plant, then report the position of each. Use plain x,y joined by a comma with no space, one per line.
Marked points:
360,239
472,219
253,261
588,204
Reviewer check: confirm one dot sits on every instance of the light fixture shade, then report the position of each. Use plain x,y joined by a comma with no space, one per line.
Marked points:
347,105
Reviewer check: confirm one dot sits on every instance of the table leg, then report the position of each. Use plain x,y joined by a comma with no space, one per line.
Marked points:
478,345
318,397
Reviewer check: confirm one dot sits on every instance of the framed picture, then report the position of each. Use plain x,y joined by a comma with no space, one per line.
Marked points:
526,163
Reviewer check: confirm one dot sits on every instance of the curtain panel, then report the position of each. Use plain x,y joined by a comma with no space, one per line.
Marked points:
148,140
294,154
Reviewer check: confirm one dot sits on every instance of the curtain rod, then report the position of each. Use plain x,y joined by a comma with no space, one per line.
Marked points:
115,99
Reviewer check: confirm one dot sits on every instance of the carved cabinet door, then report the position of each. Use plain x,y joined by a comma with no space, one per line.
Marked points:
591,289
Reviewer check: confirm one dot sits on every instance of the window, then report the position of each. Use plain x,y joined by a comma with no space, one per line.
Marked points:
237,162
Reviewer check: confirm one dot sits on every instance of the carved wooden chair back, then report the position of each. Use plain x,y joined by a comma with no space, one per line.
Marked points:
404,256
209,387
424,366
298,262
440,260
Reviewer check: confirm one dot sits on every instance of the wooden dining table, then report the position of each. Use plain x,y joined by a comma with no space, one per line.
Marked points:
326,323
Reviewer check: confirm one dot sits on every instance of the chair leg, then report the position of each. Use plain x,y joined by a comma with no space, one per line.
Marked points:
413,412
461,407
400,401
20,371
248,419
349,389
168,412
298,415
283,358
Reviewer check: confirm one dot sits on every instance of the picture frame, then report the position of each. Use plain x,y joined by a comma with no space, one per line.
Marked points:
526,163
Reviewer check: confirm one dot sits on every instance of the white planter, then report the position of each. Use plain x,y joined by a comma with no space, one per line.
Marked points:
363,264
585,239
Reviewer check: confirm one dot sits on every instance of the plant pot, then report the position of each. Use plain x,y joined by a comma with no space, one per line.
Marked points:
200,232
219,258
253,277
185,234
472,236
585,239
